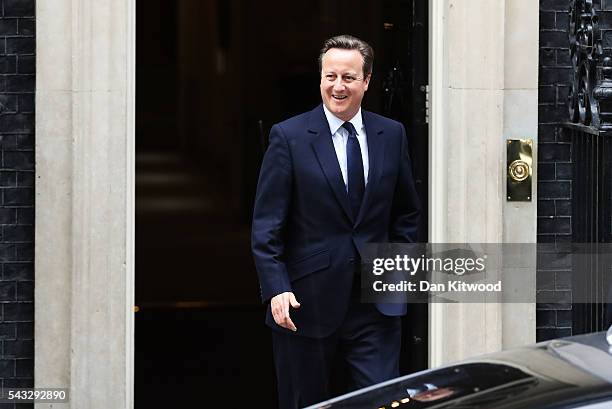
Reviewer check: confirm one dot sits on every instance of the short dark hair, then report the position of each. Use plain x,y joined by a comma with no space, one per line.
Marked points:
347,42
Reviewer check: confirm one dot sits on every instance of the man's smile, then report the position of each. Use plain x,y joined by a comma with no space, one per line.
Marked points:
339,97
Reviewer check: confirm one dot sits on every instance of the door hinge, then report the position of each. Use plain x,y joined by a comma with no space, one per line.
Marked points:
425,89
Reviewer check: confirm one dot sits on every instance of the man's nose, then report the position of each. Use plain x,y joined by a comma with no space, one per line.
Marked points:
339,84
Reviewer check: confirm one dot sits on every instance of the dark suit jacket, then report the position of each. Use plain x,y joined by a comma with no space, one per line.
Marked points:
304,237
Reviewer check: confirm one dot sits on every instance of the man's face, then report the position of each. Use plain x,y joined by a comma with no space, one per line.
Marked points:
342,82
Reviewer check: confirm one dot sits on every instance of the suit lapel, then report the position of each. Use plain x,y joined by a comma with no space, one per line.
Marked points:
376,151
326,155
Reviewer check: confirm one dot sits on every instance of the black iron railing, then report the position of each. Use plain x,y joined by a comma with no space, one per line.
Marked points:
590,128
591,222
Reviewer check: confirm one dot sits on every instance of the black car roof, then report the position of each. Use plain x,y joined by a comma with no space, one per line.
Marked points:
548,374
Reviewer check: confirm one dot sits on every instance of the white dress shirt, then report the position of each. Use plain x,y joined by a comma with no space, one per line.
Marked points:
340,137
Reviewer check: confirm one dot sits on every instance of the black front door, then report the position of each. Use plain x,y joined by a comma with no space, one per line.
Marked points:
404,72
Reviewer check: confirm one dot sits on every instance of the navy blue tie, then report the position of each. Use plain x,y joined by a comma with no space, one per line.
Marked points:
354,166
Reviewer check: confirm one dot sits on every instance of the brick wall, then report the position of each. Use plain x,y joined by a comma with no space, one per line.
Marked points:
554,166
17,80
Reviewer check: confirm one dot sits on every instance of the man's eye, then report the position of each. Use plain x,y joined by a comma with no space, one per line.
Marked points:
349,78
330,77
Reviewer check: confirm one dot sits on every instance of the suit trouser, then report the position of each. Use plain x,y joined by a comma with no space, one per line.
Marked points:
367,341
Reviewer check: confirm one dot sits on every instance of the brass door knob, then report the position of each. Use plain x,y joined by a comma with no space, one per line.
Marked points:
519,159
519,170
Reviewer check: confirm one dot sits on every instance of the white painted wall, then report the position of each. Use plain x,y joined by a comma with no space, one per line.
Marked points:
484,87
84,294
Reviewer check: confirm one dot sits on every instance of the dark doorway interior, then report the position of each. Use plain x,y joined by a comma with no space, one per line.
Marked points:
212,76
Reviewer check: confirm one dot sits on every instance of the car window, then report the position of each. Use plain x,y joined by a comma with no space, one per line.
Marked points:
479,385
483,384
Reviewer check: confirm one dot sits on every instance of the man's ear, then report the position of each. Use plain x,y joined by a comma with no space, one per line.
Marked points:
366,81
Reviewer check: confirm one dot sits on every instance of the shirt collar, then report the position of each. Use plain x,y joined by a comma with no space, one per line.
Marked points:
335,123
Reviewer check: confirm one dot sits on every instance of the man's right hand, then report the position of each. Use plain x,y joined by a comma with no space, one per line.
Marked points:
280,309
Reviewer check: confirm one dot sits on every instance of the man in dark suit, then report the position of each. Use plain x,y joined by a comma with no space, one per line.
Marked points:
332,180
